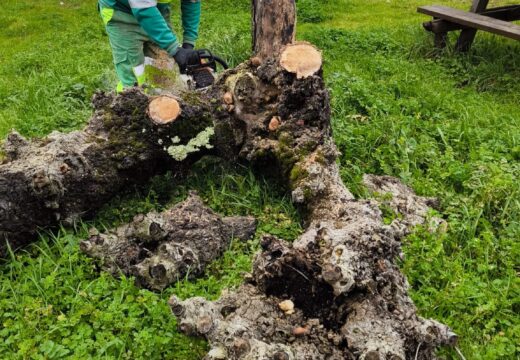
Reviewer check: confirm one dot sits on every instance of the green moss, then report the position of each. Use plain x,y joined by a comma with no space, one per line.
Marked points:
307,193
161,78
285,139
192,98
297,173
320,157
389,214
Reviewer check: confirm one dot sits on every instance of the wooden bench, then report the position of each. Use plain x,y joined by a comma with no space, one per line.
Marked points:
495,20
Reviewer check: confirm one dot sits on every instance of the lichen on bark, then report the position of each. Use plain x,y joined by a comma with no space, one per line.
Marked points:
201,141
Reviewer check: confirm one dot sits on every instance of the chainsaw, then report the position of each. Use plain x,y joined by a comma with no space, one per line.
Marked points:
202,69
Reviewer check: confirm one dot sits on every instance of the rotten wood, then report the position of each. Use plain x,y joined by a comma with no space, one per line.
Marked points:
351,300
161,248
65,177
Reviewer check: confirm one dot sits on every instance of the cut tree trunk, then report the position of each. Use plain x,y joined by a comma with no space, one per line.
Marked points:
64,177
161,248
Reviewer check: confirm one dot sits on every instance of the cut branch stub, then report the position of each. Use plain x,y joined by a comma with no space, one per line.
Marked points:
302,59
164,110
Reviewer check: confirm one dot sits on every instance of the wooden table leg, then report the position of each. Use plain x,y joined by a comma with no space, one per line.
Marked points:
468,35
441,38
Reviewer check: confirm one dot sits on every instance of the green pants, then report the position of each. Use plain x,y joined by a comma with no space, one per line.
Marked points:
127,39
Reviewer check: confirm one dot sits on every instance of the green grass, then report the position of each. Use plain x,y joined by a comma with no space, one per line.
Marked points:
445,123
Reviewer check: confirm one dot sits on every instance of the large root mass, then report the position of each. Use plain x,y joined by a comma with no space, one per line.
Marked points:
161,248
350,299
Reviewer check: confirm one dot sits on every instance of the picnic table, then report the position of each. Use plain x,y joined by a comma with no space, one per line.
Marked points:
479,17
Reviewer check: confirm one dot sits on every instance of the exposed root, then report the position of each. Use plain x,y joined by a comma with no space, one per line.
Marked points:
351,300
412,209
161,248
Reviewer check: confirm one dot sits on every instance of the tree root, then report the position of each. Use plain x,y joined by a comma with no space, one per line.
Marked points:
351,301
161,248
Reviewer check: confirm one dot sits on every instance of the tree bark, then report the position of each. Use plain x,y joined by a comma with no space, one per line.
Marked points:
161,248
64,177
351,300
274,26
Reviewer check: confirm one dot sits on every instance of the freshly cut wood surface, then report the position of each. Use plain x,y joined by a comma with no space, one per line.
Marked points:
302,59
164,109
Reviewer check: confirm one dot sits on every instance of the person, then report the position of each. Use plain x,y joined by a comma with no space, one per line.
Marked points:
131,23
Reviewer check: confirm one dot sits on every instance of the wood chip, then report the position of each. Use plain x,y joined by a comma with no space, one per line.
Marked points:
286,305
228,98
300,331
256,61
274,123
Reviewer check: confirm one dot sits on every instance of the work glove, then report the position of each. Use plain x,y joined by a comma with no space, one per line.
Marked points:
187,46
184,57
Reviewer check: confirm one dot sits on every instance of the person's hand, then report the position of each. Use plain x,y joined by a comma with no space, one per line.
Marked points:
187,46
184,57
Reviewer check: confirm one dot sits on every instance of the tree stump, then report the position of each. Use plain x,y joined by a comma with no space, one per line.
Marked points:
349,298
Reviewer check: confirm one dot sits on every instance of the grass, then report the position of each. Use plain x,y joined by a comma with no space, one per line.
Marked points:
445,123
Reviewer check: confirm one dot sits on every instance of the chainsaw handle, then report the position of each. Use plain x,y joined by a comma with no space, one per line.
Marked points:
205,54
221,62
